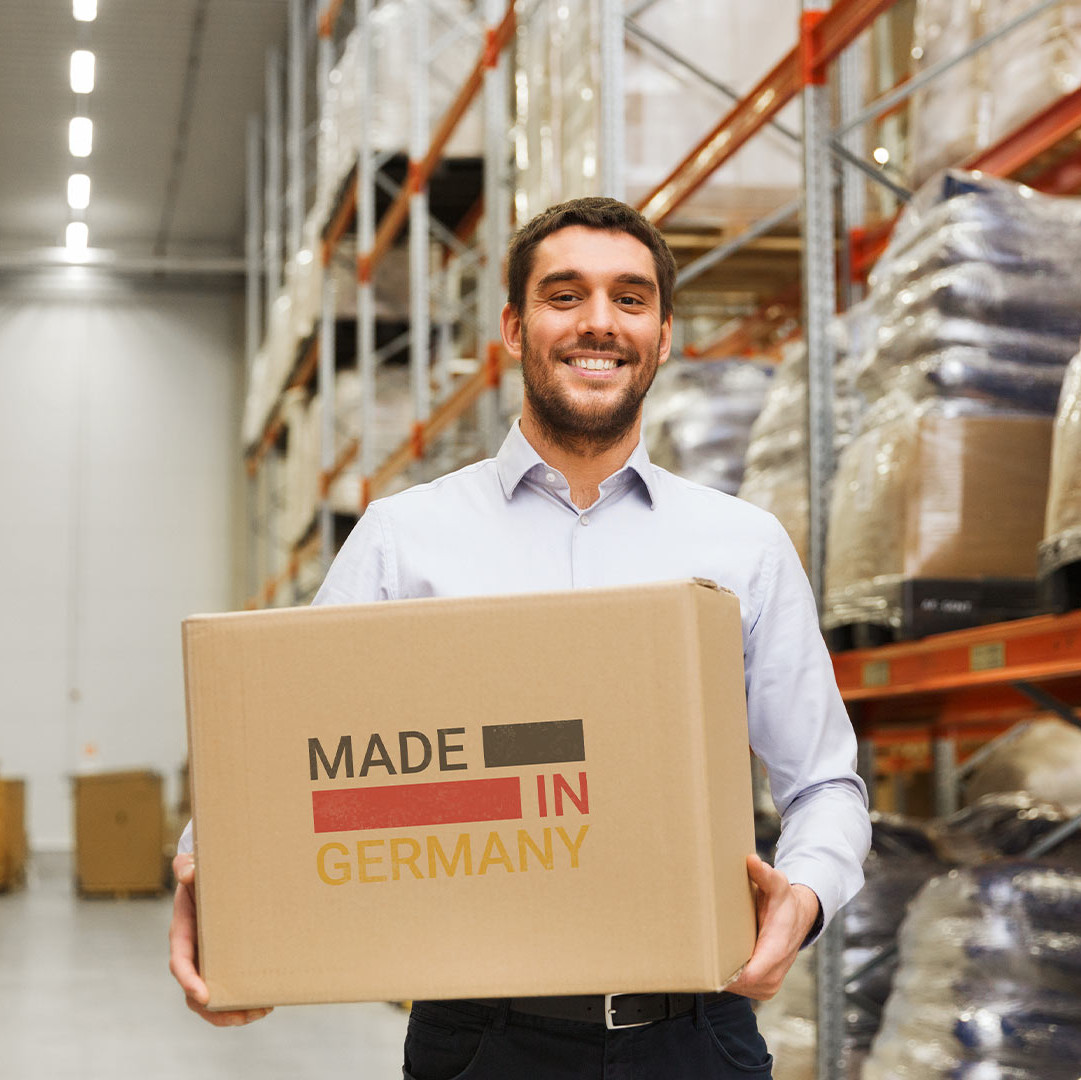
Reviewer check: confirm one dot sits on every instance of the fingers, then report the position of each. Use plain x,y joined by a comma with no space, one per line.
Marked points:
184,869
765,876
228,1018
182,947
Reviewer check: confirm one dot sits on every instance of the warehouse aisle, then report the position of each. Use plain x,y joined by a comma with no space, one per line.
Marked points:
85,994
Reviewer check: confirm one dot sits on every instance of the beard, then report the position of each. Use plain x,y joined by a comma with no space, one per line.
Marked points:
585,425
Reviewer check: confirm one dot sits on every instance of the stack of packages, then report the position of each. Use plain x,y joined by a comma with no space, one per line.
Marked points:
900,864
698,419
776,476
977,102
938,502
989,985
1060,552
558,105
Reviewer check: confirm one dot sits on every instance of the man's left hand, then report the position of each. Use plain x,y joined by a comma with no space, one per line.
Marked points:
786,914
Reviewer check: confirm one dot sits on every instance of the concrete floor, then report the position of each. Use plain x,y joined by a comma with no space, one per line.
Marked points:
86,994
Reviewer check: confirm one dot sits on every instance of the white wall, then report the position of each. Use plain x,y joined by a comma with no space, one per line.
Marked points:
119,467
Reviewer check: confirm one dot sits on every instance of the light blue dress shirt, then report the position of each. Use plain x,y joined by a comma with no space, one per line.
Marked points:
507,525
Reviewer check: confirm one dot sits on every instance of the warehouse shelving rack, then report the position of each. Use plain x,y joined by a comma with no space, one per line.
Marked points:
377,228
939,687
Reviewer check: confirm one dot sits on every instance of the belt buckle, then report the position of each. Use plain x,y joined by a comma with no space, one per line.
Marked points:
609,1012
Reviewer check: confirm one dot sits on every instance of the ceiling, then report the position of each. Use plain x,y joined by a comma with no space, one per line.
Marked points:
160,186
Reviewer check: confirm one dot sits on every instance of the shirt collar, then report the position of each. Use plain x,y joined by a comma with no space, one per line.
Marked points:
517,457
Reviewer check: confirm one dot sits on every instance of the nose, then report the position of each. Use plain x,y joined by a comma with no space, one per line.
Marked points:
595,316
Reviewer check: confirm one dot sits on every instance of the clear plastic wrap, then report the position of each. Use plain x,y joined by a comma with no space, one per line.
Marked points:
989,984
913,498
1062,529
698,419
558,102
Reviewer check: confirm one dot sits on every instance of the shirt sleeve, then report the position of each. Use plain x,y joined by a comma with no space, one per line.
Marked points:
800,730
361,572
364,570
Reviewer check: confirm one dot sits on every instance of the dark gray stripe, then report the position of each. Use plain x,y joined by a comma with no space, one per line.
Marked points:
542,743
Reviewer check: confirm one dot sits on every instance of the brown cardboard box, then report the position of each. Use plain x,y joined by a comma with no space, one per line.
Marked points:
12,833
480,797
119,823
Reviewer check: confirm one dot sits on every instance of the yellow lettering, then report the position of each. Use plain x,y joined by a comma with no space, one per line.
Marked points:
398,860
342,868
525,843
364,861
490,856
573,848
462,850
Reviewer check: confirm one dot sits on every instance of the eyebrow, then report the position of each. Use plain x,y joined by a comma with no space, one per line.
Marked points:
557,276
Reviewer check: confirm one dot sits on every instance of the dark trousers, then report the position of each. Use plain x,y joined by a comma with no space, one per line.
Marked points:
467,1041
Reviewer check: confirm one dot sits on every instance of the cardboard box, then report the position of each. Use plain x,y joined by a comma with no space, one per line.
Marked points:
530,795
119,832
12,833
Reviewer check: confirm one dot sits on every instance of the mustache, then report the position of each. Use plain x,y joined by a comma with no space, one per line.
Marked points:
587,345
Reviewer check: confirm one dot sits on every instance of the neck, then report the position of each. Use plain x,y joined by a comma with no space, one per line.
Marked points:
584,464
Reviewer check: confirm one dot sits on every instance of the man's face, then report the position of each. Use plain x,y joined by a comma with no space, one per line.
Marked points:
590,336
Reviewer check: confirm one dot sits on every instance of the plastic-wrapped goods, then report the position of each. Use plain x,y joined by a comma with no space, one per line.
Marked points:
1043,759
558,104
1003,824
698,419
989,984
390,109
912,499
258,400
296,509
776,477
871,919
1062,529
949,117
1034,64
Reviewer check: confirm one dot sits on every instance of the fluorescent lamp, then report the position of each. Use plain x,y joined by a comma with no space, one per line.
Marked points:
82,71
78,191
77,236
80,136
84,10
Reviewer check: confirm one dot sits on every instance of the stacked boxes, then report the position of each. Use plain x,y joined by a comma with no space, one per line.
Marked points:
12,833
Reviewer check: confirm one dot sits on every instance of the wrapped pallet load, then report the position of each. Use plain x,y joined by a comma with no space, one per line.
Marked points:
989,984
1060,551
938,502
984,98
698,419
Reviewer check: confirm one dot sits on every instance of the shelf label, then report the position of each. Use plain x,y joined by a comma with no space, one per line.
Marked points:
876,673
987,657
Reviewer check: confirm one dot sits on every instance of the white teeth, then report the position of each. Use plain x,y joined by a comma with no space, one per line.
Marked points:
594,363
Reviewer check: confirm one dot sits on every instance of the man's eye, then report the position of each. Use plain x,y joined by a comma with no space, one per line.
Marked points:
564,298
629,301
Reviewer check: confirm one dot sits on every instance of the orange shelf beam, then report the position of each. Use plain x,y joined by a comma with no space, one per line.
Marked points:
821,43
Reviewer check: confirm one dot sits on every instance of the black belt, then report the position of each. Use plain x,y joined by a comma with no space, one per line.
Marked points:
613,1010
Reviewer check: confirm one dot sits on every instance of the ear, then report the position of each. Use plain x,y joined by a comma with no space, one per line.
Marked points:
665,348
510,329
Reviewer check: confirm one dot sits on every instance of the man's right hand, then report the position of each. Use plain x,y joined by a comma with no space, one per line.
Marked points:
182,950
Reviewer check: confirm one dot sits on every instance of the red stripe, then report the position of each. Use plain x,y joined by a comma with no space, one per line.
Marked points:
349,809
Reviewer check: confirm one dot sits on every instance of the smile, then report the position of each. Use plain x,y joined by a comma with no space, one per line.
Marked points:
593,363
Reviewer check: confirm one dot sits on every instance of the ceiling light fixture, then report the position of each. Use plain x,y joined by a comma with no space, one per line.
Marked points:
881,155
81,136
82,71
84,10
78,191
77,236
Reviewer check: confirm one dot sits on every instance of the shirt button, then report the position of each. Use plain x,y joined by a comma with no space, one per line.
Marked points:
584,519
550,477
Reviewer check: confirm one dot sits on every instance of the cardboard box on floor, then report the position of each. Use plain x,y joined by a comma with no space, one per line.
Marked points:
503,796
12,833
119,832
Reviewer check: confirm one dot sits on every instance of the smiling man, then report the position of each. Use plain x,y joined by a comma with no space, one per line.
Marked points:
573,501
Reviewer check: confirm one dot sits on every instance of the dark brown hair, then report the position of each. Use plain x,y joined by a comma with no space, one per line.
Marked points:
594,212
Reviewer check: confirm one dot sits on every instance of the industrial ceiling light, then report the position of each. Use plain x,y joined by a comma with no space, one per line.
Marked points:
82,71
81,136
77,236
78,191
881,155
84,10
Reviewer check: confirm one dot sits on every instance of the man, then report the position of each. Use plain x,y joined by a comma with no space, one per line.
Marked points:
570,501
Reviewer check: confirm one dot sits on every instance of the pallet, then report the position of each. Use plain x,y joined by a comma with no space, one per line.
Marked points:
936,606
